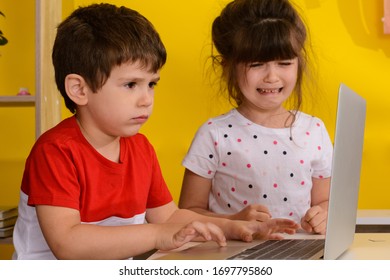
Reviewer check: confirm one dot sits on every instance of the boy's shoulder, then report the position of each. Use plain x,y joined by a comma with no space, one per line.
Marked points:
62,132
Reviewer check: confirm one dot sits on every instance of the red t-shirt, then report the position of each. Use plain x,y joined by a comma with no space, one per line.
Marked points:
63,169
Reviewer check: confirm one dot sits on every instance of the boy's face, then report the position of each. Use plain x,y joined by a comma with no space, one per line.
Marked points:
125,101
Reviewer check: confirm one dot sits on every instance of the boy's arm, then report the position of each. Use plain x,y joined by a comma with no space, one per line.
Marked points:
168,228
69,239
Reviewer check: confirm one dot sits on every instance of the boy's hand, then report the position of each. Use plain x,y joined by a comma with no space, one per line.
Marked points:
315,220
175,235
253,212
269,229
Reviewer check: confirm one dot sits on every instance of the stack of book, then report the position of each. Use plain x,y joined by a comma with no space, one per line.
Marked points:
8,216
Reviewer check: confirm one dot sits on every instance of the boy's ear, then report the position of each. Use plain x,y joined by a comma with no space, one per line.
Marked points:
76,89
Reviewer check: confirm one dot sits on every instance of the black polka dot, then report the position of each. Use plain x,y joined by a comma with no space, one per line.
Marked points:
250,186
265,152
284,153
255,136
229,153
291,175
230,125
285,199
225,135
264,196
291,138
211,156
229,205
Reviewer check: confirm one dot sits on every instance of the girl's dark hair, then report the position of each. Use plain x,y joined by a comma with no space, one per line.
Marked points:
94,39
258,31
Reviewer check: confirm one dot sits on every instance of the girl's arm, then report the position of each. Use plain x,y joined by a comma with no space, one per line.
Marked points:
316,217
232,229
195,196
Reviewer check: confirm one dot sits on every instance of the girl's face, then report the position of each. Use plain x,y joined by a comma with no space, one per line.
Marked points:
265,86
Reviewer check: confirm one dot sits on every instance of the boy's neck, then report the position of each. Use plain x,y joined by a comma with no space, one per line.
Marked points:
107,146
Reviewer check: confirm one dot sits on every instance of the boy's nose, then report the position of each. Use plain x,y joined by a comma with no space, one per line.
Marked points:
146,98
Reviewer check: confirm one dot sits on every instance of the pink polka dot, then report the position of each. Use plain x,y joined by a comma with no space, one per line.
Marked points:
307,133
301,161
233,189
290,214
209,172
245,202
209,123
223,163
215,143
319,148
302,183
321,177
249,165
238,140
318,124
275,185
275,142
219,194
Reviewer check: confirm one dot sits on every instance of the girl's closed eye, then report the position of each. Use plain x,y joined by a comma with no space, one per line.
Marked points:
286,62
255,64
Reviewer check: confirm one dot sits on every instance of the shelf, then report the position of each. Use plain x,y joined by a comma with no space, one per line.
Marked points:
17,100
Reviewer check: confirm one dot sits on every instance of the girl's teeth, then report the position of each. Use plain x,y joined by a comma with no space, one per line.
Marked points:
269,90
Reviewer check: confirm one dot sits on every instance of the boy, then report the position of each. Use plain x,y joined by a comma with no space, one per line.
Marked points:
91,182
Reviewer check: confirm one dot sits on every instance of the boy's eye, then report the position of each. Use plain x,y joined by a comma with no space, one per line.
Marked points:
130,85
152,84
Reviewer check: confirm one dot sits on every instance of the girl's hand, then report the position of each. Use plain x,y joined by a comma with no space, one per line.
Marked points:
253,212
269,229
315,220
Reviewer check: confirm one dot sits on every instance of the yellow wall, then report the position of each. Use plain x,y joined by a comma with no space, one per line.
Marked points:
348,41
350,47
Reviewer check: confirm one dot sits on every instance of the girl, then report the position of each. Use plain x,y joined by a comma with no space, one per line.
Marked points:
262,159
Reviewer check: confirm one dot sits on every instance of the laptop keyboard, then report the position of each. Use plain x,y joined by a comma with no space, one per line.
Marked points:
285,249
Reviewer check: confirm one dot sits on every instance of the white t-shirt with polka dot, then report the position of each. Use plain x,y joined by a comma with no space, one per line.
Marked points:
252,164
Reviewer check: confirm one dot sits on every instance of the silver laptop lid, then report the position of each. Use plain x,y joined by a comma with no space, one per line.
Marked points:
345,181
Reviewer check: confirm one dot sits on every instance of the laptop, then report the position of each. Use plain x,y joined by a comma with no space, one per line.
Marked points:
343,199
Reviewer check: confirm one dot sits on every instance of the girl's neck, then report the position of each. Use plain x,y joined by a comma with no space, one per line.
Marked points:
278,118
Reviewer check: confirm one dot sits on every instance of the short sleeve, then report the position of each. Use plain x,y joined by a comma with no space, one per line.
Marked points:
202,157
323,165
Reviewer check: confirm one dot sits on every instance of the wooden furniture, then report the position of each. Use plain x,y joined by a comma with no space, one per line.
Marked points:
47,100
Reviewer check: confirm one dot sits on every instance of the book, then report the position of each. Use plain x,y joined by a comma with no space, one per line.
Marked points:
8,222
8,212
6,232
